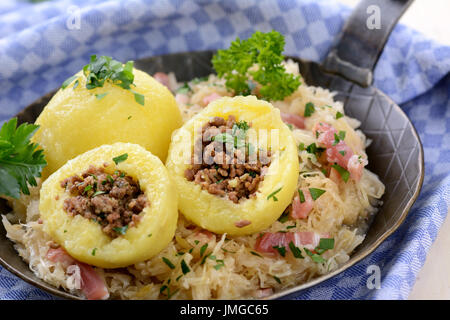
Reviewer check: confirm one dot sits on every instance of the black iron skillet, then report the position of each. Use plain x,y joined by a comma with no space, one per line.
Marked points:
395,155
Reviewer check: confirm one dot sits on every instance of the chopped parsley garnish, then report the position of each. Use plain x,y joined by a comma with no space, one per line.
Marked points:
207,256
149,235
314,256
316,193
68,81
296,252
87,188
100,95
184,89
326,243
121,230
264,49
342,172
339,137
301,196
284,216
272,195
314,149
255,254
93,251
184,267
199,79
102,69
20,162
301,146
339,115
97,193
203,249
277,279
342,152
309,109
281,250
120,158
220,264
139,98
168,262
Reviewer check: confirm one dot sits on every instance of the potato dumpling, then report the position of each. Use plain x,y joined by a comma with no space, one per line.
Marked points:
83,238
218,213
77,119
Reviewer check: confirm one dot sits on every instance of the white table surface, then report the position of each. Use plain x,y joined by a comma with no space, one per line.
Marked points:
431,17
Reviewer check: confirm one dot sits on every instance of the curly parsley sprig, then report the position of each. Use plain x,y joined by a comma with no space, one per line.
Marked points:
265,50
20,161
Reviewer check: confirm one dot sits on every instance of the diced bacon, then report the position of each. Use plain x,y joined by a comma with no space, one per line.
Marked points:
262,293
162,78
340,154
61,256
293,119
204,235
324,133
92,284
355,167
335,176
182,98
301,210
242,223
269,240
210,98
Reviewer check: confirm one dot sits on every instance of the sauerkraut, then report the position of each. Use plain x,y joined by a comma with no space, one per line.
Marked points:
198,264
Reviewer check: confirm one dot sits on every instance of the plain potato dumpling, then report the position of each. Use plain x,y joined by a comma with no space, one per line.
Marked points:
220,214
83,238
76,120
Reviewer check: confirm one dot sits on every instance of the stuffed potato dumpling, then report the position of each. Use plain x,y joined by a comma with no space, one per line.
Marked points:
111,206
85,115
240,195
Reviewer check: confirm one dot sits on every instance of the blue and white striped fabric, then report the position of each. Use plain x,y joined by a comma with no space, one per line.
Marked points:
41,45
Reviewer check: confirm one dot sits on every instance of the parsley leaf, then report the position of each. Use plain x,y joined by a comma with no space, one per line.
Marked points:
309,109
272,195
168,262
121,230
281,250
301,196
120,158
264,49
339,115
343,173
20,162
184,267
316,193
297,253
314,256
100,95
203,249
326,243
68,81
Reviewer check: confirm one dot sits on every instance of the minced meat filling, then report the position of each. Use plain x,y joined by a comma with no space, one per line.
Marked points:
112,200
226,172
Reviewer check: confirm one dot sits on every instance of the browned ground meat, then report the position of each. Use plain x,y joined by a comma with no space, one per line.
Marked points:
114,201
221,171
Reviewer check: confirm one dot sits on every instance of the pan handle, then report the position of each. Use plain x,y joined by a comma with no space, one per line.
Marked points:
362,40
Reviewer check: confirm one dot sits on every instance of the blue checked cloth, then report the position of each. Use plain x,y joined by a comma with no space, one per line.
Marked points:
40,46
